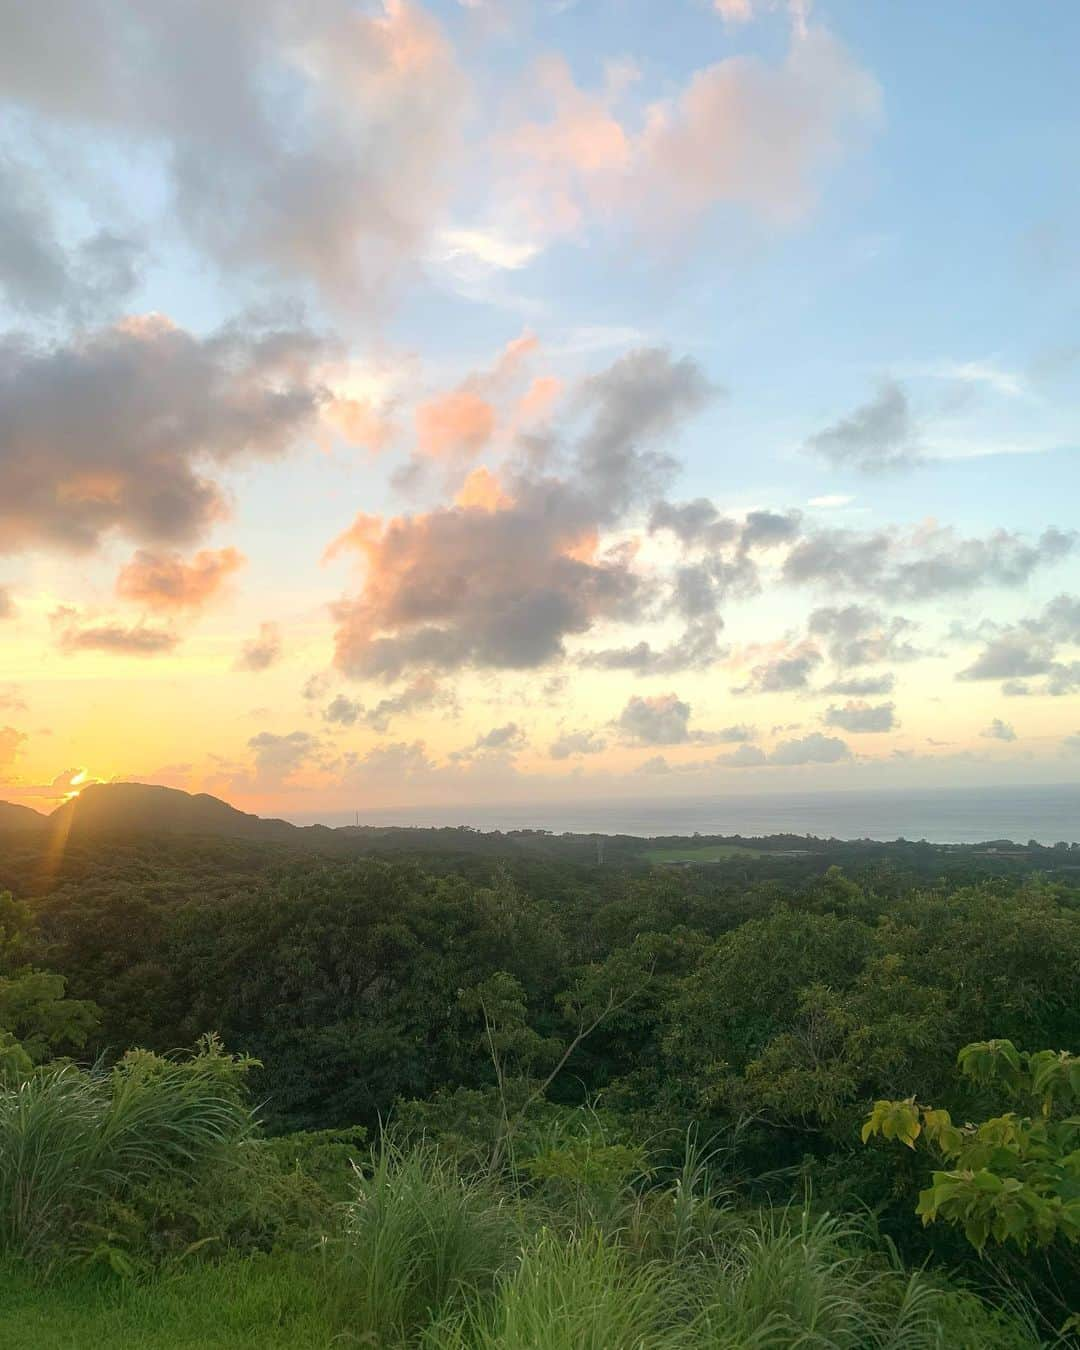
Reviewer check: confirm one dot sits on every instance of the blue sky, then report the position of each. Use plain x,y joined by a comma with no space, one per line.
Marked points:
483,290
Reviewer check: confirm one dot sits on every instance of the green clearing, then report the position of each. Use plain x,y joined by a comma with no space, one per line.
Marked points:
706,853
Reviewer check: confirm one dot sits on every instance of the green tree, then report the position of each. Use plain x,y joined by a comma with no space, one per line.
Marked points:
36,1019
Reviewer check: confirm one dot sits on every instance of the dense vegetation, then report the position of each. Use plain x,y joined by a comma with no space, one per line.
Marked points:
509,1096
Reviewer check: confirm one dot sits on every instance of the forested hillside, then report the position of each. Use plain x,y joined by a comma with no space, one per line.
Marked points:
572,1034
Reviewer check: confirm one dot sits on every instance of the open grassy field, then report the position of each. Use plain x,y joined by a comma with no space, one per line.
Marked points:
704,853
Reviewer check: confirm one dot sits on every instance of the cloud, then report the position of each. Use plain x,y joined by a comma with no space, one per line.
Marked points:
740,732
38,276
423,692
342,711
76,634
1071,744
571,744
1029,648
697,649
857,635
998,731
499,743
861,687
748,135
742,11
783,674
812,749
860,716
10,742
741,134
661,719
503,584
879,435
745,757
279,757
308,143
122,428
261,652
922,564
7,605
164,581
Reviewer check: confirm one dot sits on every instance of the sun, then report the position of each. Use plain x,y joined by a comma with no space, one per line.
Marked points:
76,781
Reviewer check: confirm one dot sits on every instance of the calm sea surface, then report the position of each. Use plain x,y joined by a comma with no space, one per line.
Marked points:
942,816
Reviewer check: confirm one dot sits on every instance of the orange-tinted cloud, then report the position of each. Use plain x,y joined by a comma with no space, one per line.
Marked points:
482,490
164,581
360,422
742,132
459,424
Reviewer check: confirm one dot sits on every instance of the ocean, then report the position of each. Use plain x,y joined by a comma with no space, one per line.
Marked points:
941,816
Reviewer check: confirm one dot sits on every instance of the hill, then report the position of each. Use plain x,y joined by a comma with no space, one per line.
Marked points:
14,817
140,808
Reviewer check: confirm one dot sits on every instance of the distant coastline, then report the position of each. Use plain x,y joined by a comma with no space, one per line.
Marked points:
968,815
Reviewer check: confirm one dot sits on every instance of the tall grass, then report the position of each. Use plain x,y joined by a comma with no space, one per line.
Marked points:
420,1239
71,1140
576,1294
789,1280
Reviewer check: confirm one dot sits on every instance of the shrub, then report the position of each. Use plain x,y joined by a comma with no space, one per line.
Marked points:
73,1142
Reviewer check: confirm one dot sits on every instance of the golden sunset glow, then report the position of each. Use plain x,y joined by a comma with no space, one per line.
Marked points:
532,418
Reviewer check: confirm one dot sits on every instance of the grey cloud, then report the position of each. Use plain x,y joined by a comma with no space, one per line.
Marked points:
38,276
812,749
694,523
641,399
572,743
783,674
342,711
696,649
1017,652
733,734
121,428
768,529
310,142
999,731
862,687
923,564
503,740
422,693
745,757
261,652
662,719
859,716
879,435
859,636
73,634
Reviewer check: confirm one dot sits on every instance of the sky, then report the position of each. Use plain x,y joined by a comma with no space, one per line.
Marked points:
537,400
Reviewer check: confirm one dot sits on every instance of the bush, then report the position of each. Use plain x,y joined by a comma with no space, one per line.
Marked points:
74,1142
